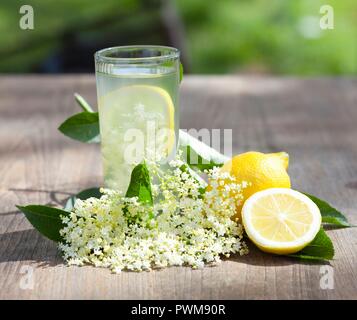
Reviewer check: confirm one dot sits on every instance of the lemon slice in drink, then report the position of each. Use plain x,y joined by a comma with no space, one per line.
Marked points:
141,107
281,220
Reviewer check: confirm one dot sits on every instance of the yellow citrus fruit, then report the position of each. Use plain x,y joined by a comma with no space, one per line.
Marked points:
260,170
281,220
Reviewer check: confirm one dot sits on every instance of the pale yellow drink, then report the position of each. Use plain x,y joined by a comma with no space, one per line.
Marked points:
138,113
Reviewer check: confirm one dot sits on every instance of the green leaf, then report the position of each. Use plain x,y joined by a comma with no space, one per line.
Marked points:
181,71
83,103
140,185
83,195
197,154
82,126
45,219
329,214
320,249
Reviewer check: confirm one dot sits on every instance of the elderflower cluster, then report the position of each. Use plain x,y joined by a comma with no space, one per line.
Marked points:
184,226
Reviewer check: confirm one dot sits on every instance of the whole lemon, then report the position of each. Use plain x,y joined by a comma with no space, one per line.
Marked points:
260,170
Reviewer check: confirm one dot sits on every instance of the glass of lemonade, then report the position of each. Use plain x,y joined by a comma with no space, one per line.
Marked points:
137,90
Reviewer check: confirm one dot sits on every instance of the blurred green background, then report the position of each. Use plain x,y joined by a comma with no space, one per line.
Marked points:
215,36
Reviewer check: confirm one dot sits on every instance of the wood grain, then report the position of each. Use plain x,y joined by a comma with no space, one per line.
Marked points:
314,120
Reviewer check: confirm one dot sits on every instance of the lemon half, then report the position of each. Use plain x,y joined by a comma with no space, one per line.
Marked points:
281,220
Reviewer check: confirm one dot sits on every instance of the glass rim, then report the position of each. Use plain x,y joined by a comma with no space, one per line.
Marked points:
172,54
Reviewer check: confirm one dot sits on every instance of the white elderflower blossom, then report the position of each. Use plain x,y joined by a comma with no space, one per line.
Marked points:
184,227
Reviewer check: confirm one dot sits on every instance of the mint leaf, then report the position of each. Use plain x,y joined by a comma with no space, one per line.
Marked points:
45,219
181,71
83,103
140,185
320,249
83,195
199,155
329,214
82,126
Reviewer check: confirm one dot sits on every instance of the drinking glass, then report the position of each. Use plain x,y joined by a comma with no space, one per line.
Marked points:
137,91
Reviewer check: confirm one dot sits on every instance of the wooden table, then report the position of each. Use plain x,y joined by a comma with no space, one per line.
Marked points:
314,120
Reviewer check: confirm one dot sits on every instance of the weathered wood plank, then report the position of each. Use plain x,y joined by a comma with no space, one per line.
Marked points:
314,120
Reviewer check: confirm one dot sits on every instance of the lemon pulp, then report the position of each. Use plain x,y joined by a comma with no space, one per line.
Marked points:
281,220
